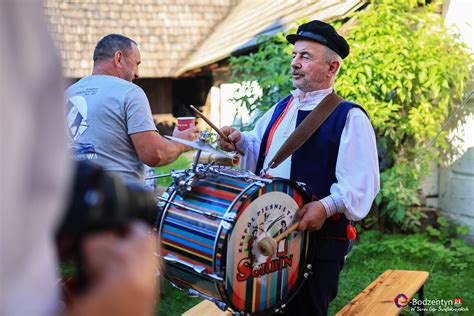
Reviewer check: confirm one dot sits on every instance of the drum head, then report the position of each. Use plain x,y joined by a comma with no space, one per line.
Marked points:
256,283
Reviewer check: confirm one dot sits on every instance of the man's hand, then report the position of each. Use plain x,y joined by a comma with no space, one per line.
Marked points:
312,216
233,135
121,274
188,134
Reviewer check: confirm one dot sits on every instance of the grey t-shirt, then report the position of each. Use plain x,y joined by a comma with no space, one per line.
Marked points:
102,112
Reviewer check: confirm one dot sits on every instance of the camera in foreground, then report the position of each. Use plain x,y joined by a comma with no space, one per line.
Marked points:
100,202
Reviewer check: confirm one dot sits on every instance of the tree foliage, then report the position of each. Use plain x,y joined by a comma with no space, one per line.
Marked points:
270,68
405,68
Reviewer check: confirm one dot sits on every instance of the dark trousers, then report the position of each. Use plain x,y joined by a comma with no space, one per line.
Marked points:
318,290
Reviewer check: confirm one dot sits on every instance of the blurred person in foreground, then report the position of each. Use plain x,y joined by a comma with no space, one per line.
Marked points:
36,175
110,119
338,163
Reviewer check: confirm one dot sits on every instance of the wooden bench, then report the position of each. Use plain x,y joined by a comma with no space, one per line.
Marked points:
378,298
206,308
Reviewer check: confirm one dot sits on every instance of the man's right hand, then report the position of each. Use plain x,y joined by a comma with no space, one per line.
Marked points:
233,135
121,274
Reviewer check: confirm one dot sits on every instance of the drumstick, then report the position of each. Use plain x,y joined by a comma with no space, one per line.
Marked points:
198,113
268,245
287,232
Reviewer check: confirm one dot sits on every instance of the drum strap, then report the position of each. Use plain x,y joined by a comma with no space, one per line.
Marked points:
307,128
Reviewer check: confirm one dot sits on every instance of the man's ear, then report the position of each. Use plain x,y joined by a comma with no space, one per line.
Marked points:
118,57
333,67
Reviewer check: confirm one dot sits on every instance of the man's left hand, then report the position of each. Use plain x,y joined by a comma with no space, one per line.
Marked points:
312,216
188,134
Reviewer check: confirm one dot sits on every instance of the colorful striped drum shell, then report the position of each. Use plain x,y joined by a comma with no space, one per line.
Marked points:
217,257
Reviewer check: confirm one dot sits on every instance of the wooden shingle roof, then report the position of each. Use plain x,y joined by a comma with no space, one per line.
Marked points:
167,31
177,36
251,18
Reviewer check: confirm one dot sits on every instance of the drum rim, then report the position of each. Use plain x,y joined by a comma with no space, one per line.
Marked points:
160,226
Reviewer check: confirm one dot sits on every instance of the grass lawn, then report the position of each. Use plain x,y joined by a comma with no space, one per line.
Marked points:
446,280
183,162
451,271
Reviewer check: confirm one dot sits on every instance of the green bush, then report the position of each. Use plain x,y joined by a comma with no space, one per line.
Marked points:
409,74
404,68
445,231
270,67
455,255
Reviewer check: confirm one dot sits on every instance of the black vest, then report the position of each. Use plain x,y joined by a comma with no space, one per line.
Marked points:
314,164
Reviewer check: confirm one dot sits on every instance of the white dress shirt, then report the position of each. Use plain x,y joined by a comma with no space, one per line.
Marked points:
357,168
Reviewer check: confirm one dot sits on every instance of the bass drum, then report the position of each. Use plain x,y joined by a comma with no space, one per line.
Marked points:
208,228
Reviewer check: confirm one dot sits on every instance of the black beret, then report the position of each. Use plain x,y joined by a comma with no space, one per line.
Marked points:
322,33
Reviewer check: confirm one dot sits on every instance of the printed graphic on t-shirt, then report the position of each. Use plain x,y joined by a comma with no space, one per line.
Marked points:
77,123
83,151
77,116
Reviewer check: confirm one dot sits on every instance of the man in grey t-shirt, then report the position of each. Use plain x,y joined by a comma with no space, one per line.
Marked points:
109,117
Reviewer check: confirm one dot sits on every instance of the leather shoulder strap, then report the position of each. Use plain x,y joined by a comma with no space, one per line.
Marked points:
307,128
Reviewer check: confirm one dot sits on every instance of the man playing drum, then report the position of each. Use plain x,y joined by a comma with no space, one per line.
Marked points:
338,162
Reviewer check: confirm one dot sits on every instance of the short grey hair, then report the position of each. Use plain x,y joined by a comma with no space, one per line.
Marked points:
330,56
111,43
